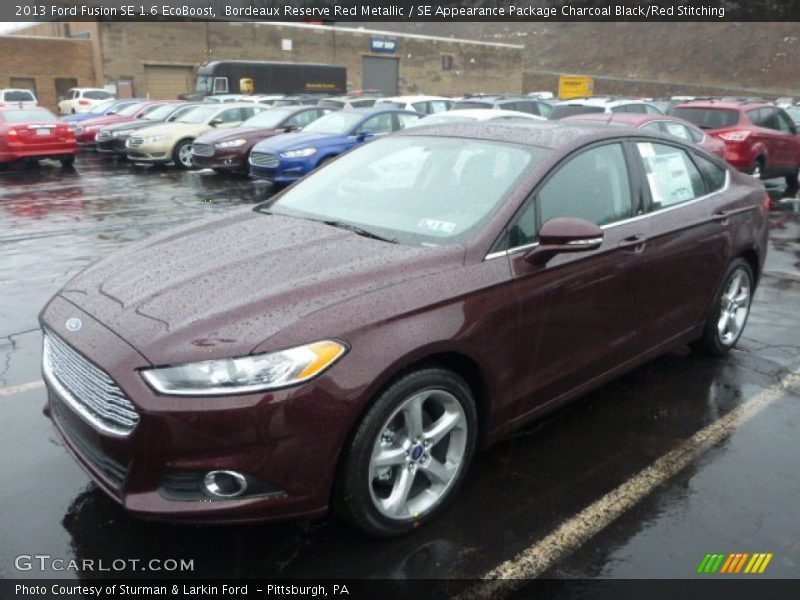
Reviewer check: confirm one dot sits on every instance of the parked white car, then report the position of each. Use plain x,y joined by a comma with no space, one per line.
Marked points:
81,100
17,98
602,104
478,114
427,105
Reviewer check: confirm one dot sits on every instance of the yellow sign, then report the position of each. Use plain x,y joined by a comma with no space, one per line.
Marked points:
247,85
575,86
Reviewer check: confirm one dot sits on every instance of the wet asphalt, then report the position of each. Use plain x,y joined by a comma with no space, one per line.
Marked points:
740,496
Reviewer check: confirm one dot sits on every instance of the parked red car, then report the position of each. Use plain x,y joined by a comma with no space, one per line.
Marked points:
86,131
229,149
353,340
760,138
658,123
35,133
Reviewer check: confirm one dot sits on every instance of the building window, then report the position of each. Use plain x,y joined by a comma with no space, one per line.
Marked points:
447,62
24,83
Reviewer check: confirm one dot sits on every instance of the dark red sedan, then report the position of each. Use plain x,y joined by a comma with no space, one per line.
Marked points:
86,131
350,343
229,149
659,124
34,133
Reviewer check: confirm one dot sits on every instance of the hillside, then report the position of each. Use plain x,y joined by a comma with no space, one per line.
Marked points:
689,57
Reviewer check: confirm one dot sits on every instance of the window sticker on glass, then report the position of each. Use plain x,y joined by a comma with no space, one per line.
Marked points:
646,149
668,178
437,226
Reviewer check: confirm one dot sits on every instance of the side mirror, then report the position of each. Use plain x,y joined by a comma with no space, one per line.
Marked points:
364,135
564,234
291,128
215,122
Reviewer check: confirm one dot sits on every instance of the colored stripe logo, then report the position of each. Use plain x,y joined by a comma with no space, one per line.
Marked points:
736,563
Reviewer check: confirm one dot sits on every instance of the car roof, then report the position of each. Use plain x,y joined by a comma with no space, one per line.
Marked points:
604,101
483,114
724,104
633,119
410,99
15,90
543,134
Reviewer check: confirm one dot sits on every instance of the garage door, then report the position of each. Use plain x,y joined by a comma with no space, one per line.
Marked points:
166,83
380,74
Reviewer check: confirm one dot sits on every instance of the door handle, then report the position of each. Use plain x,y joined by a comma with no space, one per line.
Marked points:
724,215
635,243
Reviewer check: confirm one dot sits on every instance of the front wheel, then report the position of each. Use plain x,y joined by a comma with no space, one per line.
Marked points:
409,454
182,155
728,314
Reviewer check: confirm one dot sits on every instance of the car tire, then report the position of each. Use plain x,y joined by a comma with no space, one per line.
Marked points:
729,310
792,183
67,161
391,496
757,170
182,154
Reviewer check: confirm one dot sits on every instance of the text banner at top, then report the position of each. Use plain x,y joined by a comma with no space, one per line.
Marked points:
331,11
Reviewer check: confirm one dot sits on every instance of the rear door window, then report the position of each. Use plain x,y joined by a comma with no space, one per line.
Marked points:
96,95
672,177
676,130
437,106
714,174
378,125
405,119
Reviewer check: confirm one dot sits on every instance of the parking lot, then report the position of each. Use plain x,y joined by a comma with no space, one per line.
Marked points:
564,498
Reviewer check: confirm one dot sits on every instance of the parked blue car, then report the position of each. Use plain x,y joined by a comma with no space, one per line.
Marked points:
285,158
111,107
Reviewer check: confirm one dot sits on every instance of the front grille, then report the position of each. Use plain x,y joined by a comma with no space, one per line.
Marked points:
203,149
134,141
260,159
113,470
103,135
90,391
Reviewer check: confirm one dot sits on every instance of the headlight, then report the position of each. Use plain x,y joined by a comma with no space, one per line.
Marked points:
299,153
247,373
232,143
153,138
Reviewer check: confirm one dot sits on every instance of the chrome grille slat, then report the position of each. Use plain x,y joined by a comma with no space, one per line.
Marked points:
103,135
203,149
134,141
96,395
260,159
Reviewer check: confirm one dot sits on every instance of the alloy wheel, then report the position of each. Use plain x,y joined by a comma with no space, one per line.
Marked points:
185,155
734,307
419,453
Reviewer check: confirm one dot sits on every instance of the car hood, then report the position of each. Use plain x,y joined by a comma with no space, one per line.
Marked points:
108,120
79,117
225,285
131,125
296,140
251,134
175,129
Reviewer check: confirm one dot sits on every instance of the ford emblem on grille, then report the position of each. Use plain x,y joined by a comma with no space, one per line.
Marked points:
73,324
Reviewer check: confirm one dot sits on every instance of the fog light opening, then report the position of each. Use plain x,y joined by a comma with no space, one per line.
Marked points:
225,484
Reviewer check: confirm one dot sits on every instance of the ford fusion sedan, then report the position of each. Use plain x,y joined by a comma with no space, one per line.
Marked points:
86,131
286,158
35,133
107,107
658,123
229,150
172,142
111,138
352,342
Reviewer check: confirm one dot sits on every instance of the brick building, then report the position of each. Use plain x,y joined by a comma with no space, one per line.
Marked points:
159,59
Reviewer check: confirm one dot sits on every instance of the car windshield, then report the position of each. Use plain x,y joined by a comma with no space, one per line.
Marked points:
331,103
414,190
160,113
708,118
390,104
131,110
267,119
465,104
96,94
204,83
794,113
567,110
19,96
337,123
103,107
201,114
25,115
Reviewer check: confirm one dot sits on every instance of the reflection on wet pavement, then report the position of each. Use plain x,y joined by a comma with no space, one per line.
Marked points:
740,497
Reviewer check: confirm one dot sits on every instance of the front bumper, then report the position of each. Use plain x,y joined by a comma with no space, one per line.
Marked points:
156,153
111,145
222,160
286,441
288,171
55,150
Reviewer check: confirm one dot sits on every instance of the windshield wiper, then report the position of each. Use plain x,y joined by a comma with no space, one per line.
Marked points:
359,231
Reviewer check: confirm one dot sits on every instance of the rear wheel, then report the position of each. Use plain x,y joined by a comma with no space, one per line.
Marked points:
728,314
67,161
182,155
758,168
409,454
